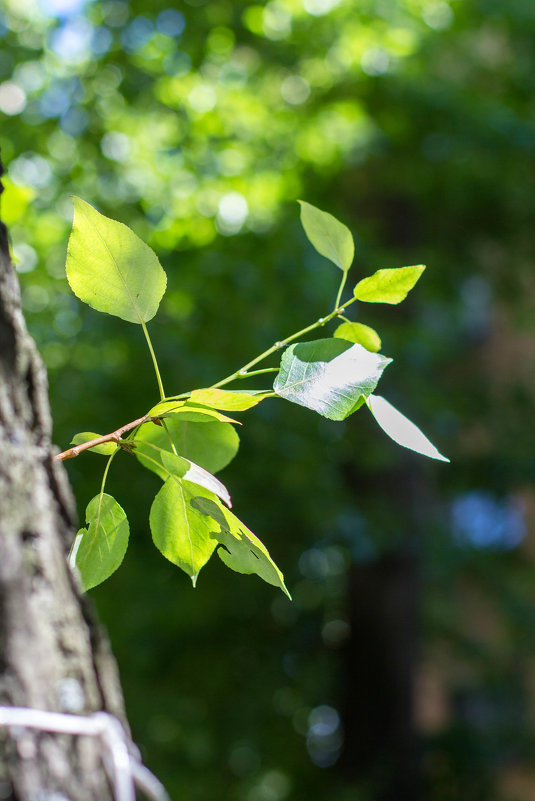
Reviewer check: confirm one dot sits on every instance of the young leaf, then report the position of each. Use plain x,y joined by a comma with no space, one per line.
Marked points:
211,445
226,400
111,269
400,428
106,449
389,285
330,237
242,551
103,544
180,531
361,334
329,376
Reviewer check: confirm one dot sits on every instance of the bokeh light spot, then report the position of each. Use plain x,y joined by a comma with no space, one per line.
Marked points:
295,90
231,213
12,98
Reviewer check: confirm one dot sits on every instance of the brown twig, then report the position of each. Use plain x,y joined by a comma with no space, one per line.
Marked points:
115,436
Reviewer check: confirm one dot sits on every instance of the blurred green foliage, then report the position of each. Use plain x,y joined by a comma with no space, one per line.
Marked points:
199,126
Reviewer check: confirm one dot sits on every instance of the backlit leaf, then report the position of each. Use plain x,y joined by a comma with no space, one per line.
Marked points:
389,285
103,544
182,532
226,400
194,412
329,236
106,449
329,376
110,268
401,429
361,334
189,471
242,551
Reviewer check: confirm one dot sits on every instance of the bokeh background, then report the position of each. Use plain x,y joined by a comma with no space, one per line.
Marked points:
405,666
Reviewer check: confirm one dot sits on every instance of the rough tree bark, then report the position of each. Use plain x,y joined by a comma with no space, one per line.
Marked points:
52,654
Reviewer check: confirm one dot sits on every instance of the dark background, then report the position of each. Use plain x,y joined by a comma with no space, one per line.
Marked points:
405,666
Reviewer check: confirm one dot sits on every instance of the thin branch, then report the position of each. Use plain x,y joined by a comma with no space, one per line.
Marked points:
115,436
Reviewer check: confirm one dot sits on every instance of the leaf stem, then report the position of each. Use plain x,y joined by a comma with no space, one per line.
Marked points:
258,372
154,360
114,436
76,544
340,290
169,437
243,371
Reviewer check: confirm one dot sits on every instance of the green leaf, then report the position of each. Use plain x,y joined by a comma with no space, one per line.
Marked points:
111,269
361,334
401,429
330,237
229,401
188,522
102,546
181,532
86,436
388,286
194,412
329,376
189,471
242,551
211,445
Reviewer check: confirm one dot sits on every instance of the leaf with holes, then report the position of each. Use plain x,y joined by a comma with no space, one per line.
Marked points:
330,376
111,269
242,551
100,549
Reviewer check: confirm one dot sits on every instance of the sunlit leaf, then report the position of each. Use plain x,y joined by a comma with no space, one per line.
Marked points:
180,530
361,334
110,268
401,429
184,468
226,400
103,544
389,285
106,449
329,376
242,551
211,445
194,412
330,237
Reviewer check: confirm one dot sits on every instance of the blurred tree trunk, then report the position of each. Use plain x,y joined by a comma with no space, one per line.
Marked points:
379,659
52,654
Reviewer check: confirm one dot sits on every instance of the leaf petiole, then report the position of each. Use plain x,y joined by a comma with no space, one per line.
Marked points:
154,361
340,290
76,543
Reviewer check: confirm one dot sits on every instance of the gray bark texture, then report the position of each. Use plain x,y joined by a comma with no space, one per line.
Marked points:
53,656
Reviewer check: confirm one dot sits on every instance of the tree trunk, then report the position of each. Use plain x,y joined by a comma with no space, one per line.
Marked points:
52,654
